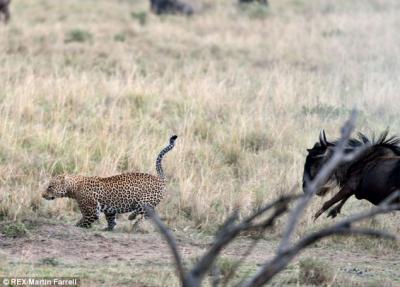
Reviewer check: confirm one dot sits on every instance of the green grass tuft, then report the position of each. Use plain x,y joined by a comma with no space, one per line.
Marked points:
15,230
315,272
141,17
78,36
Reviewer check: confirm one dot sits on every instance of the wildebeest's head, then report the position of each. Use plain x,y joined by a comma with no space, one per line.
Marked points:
316,158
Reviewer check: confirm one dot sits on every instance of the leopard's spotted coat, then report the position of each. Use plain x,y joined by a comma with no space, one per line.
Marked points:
129,192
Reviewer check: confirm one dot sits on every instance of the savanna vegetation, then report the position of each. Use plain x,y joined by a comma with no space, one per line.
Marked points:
96,87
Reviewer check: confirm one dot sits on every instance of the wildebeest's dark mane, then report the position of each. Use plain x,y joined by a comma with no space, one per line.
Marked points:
392,143
379,148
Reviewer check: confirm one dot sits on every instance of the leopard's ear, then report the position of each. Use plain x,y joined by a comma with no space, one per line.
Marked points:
63,178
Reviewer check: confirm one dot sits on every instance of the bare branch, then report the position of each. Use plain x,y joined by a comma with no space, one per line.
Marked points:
171,242
229,232
261,226
278,263
380,209
231,228
281,260
215,276
228,224
243,257
390,199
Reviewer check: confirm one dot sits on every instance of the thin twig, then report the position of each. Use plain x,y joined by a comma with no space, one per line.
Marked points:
229,232
170,240
281,260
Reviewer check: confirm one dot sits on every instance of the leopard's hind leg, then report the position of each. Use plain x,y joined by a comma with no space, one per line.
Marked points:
135,211
141,209
110,217
147,211
133,215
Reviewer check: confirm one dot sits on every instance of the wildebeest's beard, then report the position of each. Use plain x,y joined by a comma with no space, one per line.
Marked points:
317,157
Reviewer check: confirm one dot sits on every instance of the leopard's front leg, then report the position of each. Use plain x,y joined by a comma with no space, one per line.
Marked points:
90,210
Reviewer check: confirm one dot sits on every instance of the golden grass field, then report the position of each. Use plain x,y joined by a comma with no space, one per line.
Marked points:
96,87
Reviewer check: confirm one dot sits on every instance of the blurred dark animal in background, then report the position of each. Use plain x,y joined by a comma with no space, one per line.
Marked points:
265,2
5,10
373,175
171,7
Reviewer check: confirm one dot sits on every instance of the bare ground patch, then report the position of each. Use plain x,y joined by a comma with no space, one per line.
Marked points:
76,245
52,243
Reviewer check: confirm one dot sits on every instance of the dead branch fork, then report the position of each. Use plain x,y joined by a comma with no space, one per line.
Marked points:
258,220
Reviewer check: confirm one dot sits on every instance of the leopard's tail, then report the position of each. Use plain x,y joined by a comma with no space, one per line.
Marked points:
159,168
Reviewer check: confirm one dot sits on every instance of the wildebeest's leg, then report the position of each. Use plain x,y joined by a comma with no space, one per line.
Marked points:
110,216
343,193
336,210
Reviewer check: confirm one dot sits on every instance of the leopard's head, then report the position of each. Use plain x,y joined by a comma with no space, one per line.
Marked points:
57,187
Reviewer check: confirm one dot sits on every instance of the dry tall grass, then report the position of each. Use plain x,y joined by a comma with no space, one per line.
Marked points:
97,87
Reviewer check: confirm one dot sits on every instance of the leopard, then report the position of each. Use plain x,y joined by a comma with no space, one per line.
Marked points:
134,193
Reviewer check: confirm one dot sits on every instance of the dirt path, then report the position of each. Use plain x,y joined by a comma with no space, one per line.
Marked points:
78,246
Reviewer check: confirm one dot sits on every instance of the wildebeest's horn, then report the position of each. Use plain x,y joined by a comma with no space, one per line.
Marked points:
325,140
322,138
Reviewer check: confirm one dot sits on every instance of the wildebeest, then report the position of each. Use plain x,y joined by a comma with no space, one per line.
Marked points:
170,7
373,175
265,2
5,10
